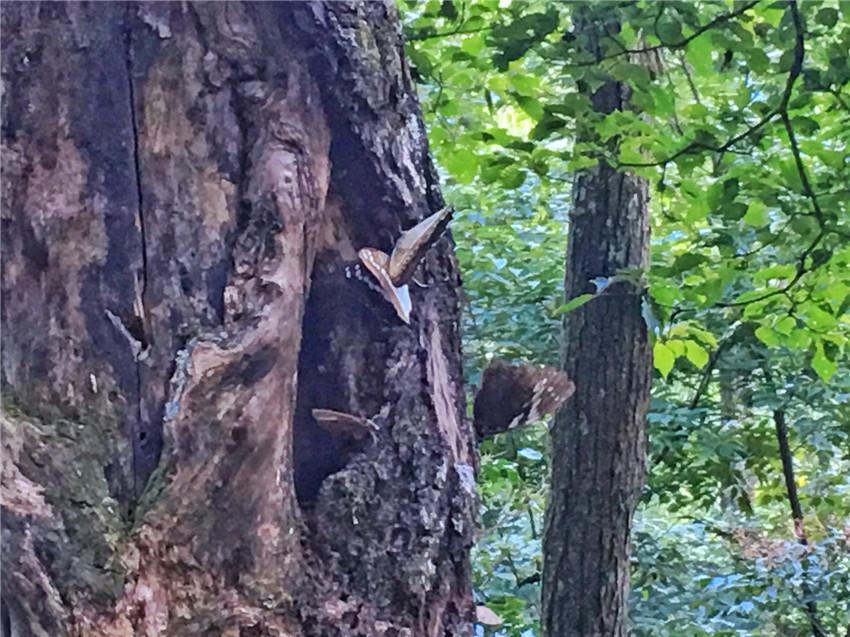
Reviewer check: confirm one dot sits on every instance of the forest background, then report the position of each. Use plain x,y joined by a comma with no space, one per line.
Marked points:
741,123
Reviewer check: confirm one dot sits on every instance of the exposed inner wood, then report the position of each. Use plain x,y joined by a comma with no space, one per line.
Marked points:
185,186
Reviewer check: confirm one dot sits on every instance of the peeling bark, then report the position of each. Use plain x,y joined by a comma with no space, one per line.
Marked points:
185,187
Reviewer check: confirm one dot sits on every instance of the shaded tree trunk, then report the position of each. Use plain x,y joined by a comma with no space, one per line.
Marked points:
185,188
787,458
598,439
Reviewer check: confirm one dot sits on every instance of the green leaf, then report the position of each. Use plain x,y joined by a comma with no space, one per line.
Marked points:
758,61
664,292
786,60
525,84
699,55
766,335
574,303
512,178
514,39
420,60
663,358
785,325
688,261
696,353
448,10
530,105
817,318
827,16
756,214
473,44
780,271
462,164
669,30
677,347
633,74
548,124
824,367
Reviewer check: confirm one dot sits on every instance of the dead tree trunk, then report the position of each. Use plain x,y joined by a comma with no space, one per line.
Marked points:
185,189
598,440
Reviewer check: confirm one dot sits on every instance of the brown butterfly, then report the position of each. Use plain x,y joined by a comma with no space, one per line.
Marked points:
392,272
399,297
514,395
414,243
337,422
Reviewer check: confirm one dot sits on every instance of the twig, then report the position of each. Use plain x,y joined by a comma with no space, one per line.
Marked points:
780,110
787,459
709,368
802,270
690,79
796,512
837,95
420,37
725,17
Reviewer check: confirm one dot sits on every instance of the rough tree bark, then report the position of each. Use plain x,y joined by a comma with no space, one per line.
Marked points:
185,187
598,439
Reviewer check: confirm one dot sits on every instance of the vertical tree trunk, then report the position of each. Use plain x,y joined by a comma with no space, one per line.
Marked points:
185,189
786,456
598,440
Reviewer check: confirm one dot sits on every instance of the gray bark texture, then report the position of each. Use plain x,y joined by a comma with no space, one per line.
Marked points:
599,437
185,187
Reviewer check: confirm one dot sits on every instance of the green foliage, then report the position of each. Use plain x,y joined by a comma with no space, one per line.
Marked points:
740,120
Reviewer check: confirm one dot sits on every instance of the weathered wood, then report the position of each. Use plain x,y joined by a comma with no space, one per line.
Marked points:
184,188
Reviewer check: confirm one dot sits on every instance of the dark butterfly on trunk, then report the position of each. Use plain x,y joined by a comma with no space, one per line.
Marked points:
513,395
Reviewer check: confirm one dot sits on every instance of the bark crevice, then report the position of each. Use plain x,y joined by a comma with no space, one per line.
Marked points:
141,469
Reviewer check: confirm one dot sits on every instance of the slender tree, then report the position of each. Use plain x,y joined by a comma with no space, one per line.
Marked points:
598,439
185,191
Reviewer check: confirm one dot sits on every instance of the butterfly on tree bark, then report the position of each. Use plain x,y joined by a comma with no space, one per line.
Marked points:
513,395
393,271
414,243
377,263
343,424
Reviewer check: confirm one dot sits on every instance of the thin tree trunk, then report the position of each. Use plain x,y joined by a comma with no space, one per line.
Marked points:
787,459
185,188
598,440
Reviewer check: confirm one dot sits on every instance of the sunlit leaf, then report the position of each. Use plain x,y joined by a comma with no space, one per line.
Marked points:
663,358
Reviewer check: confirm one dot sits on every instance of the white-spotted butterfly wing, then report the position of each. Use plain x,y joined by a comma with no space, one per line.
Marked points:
514,395
337,422
399,297
402,293
414,243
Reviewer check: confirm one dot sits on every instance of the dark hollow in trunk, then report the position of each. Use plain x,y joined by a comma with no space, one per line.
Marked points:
184,187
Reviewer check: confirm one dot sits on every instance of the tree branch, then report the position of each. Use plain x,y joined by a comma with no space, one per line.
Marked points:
780,110
787,459
422,36
801,271
717,21
709,368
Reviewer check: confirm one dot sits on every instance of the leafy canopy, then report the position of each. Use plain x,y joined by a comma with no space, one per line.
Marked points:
740,119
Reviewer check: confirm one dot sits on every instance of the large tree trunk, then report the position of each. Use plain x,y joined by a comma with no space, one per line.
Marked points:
598,440
185,188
